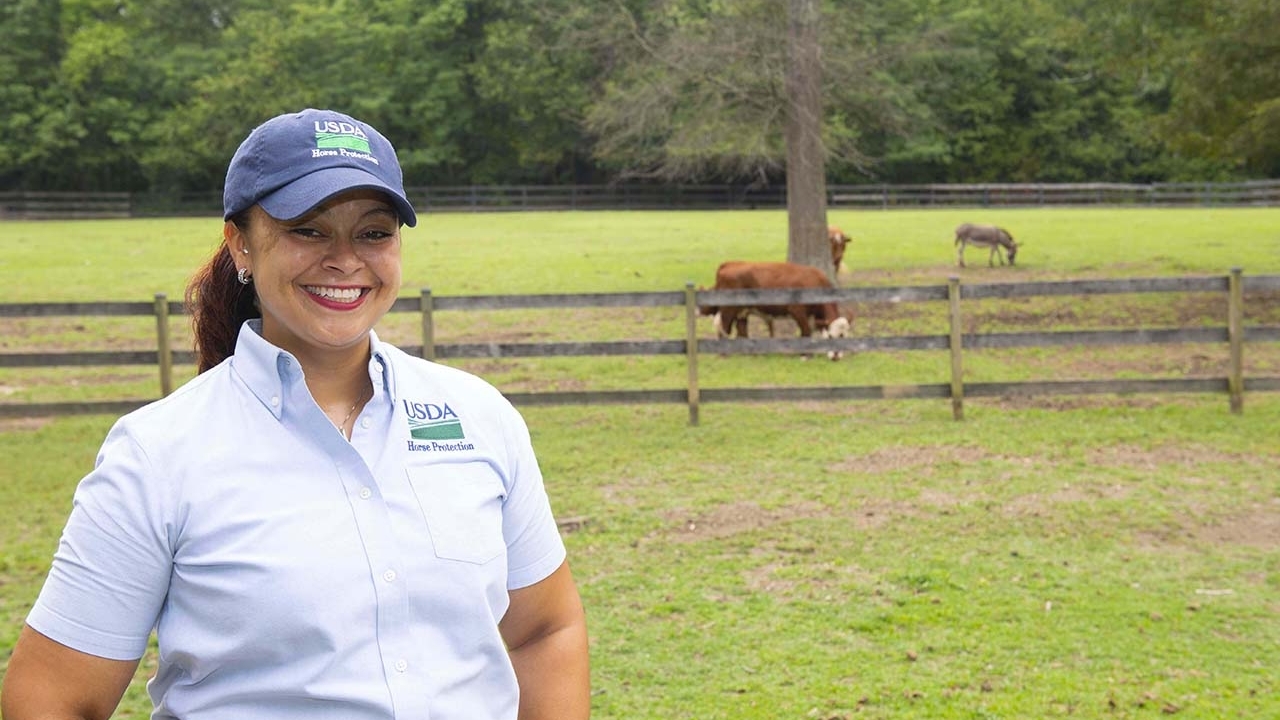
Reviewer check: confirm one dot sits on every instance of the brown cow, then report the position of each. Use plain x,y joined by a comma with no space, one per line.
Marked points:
839,241
741,275
988,236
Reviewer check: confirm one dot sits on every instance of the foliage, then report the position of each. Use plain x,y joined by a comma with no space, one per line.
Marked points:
154,95
1228,105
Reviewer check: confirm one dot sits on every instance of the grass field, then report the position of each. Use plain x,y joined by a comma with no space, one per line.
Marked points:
463,254
1095,557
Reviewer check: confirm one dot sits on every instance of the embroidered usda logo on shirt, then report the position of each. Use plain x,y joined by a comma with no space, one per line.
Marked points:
429,421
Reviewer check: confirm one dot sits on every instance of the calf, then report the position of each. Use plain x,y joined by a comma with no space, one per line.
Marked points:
988,236
839,241
740,275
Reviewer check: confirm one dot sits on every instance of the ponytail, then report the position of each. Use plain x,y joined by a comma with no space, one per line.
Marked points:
219,304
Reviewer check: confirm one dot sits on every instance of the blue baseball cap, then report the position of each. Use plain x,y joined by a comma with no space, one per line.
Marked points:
292,163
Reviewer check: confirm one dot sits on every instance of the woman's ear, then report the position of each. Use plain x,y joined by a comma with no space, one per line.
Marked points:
234,238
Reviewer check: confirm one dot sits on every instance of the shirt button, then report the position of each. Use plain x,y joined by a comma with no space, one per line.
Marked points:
401,666
389,576
365,423
365,493
275,401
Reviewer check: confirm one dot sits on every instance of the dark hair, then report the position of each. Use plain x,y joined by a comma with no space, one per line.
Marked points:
219,304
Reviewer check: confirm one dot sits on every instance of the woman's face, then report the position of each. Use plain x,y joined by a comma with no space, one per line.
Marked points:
324,280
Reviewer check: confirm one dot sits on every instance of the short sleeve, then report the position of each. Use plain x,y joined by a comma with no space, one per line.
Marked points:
112,567
534,546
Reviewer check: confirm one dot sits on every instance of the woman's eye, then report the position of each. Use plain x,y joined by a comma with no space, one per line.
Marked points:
376,236
306,232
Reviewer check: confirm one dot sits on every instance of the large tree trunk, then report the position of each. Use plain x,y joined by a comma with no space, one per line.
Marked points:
807,242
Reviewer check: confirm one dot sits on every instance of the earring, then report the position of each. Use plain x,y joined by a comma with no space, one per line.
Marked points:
244,250
243,276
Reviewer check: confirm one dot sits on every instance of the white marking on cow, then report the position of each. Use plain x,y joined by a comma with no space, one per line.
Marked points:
838,328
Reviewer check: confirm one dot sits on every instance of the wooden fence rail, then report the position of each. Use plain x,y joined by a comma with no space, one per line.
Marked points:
1233,332
17,204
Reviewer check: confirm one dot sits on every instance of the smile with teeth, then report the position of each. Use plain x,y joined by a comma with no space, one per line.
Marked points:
342,295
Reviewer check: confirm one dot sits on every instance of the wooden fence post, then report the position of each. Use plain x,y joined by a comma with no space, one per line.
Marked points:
427,307
957,339
1235,336
691,349
164,347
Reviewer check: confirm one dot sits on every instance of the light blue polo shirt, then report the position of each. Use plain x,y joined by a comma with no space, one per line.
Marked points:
289,573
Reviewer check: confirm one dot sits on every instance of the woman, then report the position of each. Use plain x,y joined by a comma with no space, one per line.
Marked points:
318,525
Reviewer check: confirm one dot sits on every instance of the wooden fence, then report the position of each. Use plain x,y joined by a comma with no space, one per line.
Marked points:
956,342
23,205
1264,193
499,198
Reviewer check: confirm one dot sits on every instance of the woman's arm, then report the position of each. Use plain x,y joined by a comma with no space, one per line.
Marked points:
49,680
545,629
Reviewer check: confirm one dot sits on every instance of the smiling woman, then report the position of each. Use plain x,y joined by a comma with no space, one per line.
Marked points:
322,281
289,570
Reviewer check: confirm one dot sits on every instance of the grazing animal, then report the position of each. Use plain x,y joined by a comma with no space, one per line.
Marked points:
839,241
988,236
742,275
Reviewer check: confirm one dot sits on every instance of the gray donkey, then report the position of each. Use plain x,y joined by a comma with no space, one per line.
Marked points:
988,236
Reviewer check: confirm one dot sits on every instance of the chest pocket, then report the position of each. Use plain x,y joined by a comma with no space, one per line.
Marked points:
462,504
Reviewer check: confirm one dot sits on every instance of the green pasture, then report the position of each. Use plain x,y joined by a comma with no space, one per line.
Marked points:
500,253
465,254
1088,557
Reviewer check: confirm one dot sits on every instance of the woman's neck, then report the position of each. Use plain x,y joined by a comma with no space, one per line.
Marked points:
339,383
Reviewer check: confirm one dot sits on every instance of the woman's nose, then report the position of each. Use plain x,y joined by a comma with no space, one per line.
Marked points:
342,256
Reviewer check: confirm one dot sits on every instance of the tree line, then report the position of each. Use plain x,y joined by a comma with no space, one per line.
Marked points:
154,95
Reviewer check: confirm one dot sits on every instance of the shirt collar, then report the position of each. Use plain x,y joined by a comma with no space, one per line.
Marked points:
380,367
266,369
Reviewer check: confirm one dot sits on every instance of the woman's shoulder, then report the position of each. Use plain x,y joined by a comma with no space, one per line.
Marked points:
194,404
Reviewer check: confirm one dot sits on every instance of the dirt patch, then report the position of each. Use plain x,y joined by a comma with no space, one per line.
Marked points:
74,377
1185,456
1040,504
820,580
736,518
1077,402
1259,527
894,459
72,334
1255,528
32,424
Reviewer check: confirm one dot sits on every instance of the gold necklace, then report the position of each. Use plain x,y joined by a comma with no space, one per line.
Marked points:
342,426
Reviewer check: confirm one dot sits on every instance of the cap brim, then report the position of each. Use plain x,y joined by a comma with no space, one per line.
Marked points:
302,195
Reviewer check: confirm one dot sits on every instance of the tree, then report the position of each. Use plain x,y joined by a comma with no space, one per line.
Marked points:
1225,95
708,90
30,49
155,94
806,166
531,93
392,63
1026,91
